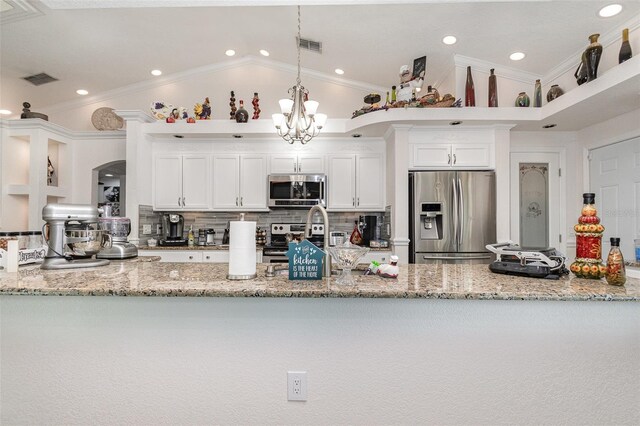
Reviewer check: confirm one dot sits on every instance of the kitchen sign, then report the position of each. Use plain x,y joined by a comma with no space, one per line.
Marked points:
305,261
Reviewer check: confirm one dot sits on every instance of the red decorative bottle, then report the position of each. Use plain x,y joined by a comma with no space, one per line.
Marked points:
588,263
469,91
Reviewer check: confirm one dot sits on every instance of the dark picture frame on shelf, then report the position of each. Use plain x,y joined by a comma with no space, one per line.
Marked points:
112,194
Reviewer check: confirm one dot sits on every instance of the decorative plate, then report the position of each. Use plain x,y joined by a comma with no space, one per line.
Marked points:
106,119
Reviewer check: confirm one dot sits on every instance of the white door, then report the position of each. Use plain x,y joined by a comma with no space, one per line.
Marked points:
167,183
195,181
431,155
311,164
369,182
225,178
614,176
341,182
535,200
253,182
470,156
284,163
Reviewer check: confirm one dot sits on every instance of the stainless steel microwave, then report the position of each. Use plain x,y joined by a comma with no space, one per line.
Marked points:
297,190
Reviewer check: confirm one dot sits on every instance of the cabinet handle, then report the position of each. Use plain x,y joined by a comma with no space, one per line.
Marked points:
207,257
353,201
184,199
358,201
190,257
236,201
179,202
454,159
299,167
240,200
449,162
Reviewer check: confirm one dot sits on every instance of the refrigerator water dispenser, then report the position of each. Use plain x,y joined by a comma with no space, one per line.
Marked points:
431,220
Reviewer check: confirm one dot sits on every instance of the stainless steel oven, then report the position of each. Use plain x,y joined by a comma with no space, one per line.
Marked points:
282,234
297,190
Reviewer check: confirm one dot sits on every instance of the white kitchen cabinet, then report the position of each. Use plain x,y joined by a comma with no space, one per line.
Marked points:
300,163
356,182
239,182
181,182
450,156
215,256
194,256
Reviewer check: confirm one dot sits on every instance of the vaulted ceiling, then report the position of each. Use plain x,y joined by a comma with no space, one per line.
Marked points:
104,45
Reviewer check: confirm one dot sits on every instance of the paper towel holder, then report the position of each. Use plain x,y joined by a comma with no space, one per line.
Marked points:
237,277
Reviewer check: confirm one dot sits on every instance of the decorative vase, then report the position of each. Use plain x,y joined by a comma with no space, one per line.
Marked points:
523,100
592,55
537,94
256,106
232,104
581,71
616,274
242,116
469,91
493,90
625,48
554,92
588,263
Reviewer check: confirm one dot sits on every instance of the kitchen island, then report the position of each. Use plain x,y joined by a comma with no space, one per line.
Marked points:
139,278
381,352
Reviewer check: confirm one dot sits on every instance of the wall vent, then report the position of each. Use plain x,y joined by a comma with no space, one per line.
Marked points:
40,79
314,46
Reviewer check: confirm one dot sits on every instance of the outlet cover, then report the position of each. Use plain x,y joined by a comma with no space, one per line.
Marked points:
296,385
146,229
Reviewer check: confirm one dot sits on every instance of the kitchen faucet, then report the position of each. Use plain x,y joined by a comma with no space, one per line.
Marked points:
307,234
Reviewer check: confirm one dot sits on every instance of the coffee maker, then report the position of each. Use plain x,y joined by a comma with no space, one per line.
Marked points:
172,230
72,236
370,229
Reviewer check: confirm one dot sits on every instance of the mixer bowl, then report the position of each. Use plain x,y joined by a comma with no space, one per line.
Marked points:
87,242
118,227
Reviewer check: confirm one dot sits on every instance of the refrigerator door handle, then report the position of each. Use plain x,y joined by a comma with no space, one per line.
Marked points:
455,212
461,217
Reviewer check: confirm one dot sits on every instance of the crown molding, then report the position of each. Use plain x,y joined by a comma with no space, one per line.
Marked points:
21,9
135,115
208,69
461,61
37,124
606,40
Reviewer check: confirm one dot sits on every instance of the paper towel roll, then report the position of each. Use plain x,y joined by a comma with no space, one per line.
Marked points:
242,250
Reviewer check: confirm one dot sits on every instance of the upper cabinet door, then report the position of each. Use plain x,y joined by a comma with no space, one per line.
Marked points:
253,182
225,177
342,182
370,182
313,164
284,163
167,183
476,155
196,188
431,155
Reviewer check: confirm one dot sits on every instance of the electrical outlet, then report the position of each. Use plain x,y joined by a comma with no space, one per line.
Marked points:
158,229
296,385
146,229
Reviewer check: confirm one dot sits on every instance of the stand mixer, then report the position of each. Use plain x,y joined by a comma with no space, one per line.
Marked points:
73,238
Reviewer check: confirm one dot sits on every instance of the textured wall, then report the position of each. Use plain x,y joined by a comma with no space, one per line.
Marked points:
102,360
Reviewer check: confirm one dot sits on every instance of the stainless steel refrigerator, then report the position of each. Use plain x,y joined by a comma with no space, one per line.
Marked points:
452,216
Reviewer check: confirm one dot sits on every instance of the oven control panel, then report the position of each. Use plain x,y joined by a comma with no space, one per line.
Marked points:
295,228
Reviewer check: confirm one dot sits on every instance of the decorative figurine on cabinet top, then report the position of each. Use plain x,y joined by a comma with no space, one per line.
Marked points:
409,81
203,111
26,112
232,104
256,106
523,100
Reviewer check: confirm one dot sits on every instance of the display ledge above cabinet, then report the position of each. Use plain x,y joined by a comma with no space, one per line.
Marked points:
613,93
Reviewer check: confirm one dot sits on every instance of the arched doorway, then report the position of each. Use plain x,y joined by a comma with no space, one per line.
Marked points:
110,181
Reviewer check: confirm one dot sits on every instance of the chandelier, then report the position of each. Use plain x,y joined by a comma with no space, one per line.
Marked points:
298,120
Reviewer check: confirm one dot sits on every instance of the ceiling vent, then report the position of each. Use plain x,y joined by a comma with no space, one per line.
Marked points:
40,79
314,46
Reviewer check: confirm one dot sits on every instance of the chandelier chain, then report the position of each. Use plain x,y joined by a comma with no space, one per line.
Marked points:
298,40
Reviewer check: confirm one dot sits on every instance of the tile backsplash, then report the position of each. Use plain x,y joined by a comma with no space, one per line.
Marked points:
343,221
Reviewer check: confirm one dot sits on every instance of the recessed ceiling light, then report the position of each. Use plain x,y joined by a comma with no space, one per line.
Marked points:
108,175
610,10
455,123
82,92
516,56
5,112
549,126
264,52
449,39
156,72
230,52
356,135
237,136
339,71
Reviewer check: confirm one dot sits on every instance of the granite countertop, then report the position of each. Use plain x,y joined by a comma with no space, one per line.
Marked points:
141,278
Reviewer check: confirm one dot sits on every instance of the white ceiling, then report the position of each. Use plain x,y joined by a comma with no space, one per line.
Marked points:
105,45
